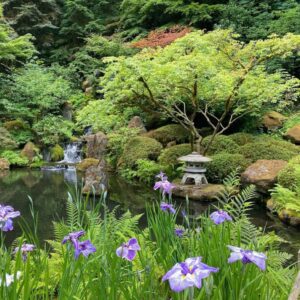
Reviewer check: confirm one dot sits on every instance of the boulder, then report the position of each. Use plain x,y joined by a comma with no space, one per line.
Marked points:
30,151
86,163
273,120
96,145
137,122
96,180
293,134
206,192
263,174
4,164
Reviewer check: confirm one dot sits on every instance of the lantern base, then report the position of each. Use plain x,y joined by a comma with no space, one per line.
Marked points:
197,179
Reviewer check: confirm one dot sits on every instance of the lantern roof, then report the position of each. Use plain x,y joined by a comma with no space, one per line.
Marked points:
194,157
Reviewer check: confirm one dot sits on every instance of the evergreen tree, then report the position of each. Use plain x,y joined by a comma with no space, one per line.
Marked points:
37,17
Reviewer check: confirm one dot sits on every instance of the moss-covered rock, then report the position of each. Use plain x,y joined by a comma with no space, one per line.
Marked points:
223,164
6,141
169,133
221,143
15,125
170,155
30,151
140,147
273,120
57,153
242,138
86,163
4,164
278,150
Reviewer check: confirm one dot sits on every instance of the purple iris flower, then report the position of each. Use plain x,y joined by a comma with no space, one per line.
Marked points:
247,256
128,250
85,248
188,273
73,237
220,216
25,248
7,213
179,231
164,185
167,207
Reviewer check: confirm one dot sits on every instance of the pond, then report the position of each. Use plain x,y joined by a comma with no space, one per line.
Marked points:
49,190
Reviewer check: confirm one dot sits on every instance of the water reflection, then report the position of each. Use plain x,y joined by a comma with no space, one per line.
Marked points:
49,189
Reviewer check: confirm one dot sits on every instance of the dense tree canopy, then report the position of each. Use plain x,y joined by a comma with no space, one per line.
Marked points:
13,49
211,74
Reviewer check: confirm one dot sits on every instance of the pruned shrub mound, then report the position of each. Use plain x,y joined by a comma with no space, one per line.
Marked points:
278,142
242,138
170,155
267,150
223,164
6,140
140,147
221,143
169,133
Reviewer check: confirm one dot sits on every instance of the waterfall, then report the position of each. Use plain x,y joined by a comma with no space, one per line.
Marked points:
72,153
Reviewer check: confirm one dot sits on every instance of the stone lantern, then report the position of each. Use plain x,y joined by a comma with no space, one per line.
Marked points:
194,169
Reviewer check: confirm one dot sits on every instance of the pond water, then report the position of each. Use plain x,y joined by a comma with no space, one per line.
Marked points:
49,189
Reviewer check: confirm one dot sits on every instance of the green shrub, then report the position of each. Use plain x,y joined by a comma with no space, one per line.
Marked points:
289,177
242,138
117,141
147,170
170,155
57,153
14,158
221,143
268,150
53,129
15,125
22,136
223,164
278,142
6,141
140,148
169,133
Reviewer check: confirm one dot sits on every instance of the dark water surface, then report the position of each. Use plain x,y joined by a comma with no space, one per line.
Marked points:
49,189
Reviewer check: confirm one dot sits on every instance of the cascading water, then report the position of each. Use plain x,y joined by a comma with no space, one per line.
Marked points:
72,153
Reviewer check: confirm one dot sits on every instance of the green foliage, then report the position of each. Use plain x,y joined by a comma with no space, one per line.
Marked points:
291,122
169,133
169,156
14,158
256,20
289,177
270,149
53,129
242,138
221,143
34,92
140,148
37,17
6,140
147,170
89,58
57,153
101,115
223,164
13,49
284,198
117,141
184,78
20,131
